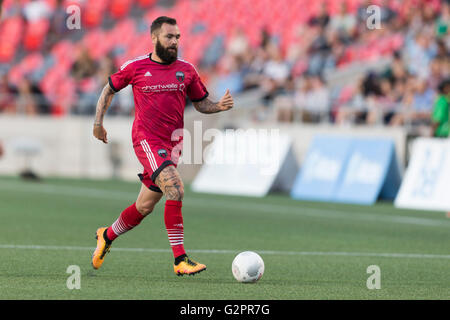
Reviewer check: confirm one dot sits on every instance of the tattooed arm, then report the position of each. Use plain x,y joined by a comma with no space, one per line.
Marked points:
102,105
207,106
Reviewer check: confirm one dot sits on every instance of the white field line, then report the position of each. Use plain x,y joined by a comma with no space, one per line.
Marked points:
216,251
243,204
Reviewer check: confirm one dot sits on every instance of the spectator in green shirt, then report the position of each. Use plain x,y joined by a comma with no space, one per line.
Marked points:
440,118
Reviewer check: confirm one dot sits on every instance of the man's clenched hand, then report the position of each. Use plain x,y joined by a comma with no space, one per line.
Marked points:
100,132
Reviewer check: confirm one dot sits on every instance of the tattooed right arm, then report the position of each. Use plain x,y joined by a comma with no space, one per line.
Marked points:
102,106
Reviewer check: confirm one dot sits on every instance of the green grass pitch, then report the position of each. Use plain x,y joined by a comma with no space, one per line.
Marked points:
311,250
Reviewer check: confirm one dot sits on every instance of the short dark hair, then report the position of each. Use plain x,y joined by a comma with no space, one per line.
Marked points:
158,22
443,85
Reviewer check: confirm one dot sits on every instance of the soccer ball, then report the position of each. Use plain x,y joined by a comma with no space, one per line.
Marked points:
247,266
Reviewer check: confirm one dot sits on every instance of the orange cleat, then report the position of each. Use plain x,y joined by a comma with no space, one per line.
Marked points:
188,266
102,249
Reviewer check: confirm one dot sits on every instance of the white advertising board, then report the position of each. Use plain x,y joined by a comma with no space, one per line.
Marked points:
249,163
426,184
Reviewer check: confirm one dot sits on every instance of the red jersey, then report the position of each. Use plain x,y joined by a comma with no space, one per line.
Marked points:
159,92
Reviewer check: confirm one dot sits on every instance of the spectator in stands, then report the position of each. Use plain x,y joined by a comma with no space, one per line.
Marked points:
337,51
440,125
383,108
275,73
7,101
30,99
57,27
238,44
437,68
276,68
26,104
106,67
361,13
354,110
442,52
396,71
322,19
84,66
443,21
36,10
419,54
230,76
366,105
422,103
387,14
417,104
344,23
251,67
312,100
84,70
318,51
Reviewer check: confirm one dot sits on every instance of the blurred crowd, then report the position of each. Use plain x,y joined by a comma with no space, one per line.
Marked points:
411,90
293,81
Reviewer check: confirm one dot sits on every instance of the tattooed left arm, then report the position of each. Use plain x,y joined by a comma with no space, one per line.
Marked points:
207,106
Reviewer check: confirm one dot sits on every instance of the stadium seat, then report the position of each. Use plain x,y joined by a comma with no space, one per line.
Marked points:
94,12
7,51
96,44
29,64
119,8
11,31
146,3
51,4
35,34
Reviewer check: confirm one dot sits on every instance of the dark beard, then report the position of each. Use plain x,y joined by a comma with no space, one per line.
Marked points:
166,55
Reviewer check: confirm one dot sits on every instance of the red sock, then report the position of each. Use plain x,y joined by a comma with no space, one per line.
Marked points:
174,225
128,219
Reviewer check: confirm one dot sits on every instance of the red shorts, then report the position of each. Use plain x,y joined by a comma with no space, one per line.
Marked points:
154,157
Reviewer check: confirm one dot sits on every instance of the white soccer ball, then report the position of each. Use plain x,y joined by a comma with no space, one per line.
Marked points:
247,266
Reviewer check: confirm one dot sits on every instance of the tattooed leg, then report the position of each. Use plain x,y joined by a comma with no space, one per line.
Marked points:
170,183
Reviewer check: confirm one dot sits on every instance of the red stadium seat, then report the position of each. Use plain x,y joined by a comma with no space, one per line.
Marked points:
35,34
11,31
96,44
124,32
93,12
7,51
63,52
28,64
32,62
51,4
119,8
146,3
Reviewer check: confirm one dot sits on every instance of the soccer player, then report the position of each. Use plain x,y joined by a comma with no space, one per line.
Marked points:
160,83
